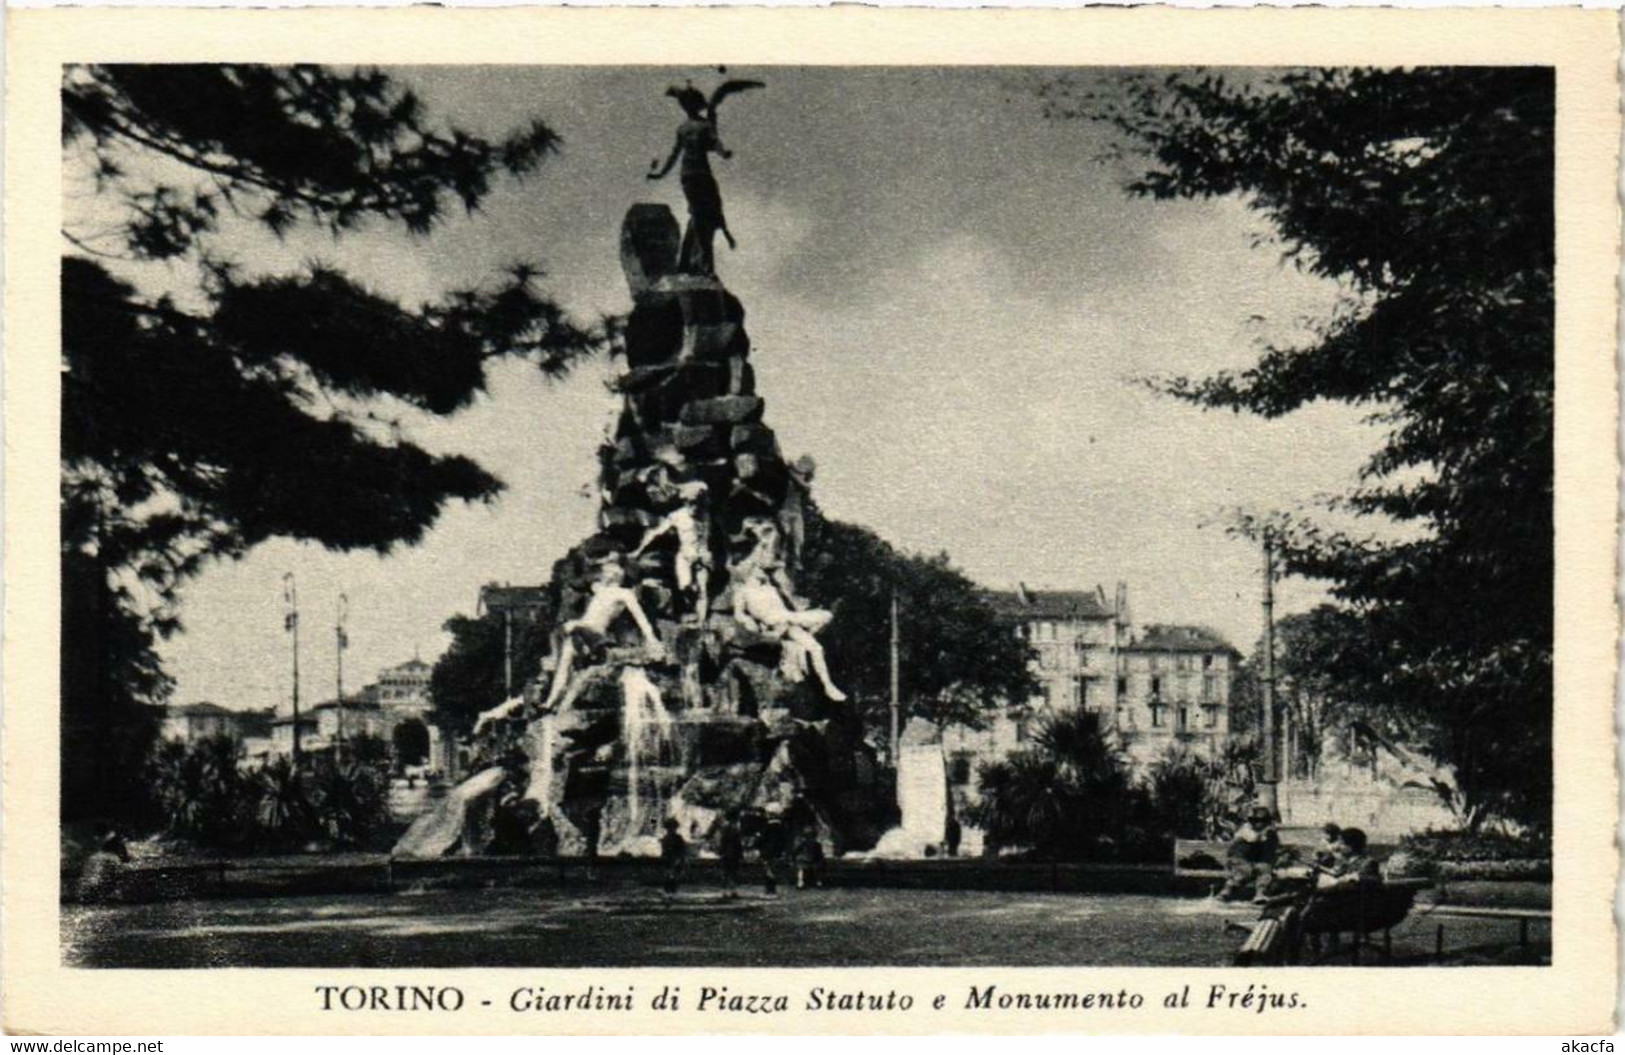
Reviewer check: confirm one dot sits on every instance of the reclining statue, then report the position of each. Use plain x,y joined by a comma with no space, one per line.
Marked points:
764,604
589,635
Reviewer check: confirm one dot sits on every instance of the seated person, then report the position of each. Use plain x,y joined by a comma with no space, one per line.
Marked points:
1331,848
1250,859
1354,867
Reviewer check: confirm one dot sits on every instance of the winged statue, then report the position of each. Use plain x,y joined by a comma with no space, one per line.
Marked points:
697,140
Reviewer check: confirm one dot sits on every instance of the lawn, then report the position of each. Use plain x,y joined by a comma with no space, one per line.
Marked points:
632,925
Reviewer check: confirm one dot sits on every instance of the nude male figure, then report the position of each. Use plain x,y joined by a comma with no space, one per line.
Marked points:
590,633
759,605
692,561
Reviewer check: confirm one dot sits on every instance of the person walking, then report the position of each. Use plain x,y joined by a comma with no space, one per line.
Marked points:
731,850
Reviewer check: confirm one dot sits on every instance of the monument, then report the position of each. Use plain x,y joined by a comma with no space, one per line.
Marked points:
688,681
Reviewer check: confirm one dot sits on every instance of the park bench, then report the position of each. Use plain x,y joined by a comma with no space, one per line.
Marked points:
1522,916
1358,911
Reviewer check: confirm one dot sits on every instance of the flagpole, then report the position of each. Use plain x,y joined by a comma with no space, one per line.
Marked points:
343,641
290,594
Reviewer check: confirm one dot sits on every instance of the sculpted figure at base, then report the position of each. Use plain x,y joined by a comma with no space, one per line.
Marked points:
764,603
690,521
697,139
588,635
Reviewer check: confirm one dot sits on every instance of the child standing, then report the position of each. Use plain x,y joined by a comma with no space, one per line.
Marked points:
673,854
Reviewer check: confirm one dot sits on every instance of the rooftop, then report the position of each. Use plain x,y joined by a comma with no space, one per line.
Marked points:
1166,637
1025,604
354,703
202,707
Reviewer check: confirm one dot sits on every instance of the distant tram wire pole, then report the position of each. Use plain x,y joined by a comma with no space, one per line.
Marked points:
342,640
1267,789
507,652
290,594
896,702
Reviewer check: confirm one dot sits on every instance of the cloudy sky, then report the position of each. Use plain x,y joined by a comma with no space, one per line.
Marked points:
949,299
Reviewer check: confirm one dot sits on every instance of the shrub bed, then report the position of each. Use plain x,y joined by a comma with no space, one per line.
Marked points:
1464,855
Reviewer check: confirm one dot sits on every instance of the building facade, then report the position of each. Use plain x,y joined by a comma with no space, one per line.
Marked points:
396,708
193,722
1152,688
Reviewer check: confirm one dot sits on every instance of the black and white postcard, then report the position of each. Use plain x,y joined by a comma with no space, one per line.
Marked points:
652,520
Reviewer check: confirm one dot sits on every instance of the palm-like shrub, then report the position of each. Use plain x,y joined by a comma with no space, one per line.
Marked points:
1068,796
350,800
202,791
284,813
1197,797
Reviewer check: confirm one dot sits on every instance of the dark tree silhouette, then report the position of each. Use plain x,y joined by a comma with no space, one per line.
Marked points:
470,675
199,422
957,661
1429,194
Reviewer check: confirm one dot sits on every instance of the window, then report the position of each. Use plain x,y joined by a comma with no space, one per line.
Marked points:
1156,686
1207,662
1122,686
959,768
1184,719
1210,687
1210,715
1156,715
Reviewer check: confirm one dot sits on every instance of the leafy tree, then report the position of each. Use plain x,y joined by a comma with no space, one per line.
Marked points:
1428,194
109,670
205,409
956,660
470,675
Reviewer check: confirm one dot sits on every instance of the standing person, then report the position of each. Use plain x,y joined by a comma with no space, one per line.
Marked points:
953,835
99,879
1251,857
690,522
731,849
809,856
673,855
770,846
